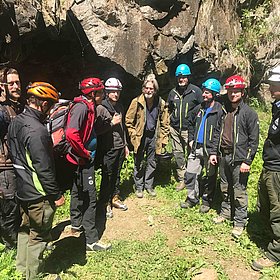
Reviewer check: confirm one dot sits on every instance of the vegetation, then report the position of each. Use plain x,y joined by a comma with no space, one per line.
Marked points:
189,242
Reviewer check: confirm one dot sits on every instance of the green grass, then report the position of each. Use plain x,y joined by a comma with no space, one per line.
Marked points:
200,244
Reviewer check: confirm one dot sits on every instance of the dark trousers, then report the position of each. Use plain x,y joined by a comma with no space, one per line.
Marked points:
34,233
111,169
83,202
9,210
234,193
145,164
269,206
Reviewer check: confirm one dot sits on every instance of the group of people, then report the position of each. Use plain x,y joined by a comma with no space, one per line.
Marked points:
207,130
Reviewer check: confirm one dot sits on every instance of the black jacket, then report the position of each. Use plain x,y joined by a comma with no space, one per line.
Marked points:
245,135
211,127
182,105
32,156
271,148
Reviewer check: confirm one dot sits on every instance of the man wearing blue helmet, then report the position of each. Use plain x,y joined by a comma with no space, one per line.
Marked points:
202,125
181,101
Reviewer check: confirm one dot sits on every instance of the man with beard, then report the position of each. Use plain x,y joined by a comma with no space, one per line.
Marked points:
181,101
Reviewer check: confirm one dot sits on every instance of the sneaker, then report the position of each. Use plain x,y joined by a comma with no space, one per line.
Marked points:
117,203
219,219
151,192
180,186
204,209
139,194
186,204
98,246
237,232
262,263
109,211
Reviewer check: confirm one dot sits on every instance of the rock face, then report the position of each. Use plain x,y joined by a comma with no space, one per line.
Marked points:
125,38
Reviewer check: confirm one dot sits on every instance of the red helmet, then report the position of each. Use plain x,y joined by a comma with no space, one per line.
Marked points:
235,82
90,84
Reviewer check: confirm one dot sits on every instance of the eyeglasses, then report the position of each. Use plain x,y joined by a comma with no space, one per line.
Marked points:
10,84
150,88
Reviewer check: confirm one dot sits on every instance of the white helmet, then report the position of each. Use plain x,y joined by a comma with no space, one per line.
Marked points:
113,84
274,74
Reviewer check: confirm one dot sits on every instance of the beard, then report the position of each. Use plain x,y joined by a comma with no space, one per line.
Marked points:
149,96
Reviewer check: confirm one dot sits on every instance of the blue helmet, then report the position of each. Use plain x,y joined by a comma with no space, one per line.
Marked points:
183,70
213,85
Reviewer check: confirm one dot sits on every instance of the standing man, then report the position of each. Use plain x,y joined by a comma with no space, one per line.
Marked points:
37,191
82,138
9,108
181,101
269,182
237,144
202,127
114,149
147,122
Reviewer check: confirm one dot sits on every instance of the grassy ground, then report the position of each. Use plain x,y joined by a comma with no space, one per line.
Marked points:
155,239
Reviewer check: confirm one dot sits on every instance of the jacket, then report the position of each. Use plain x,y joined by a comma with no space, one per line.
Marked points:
136,119
32,155
271,147
182,105
245,135
8,111
79,131
211,127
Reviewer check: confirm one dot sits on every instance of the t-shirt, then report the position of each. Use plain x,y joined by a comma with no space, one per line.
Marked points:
200,135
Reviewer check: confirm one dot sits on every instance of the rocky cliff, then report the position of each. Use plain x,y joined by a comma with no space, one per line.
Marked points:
62,41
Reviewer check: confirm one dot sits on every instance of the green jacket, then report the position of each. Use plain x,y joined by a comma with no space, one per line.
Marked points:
136,119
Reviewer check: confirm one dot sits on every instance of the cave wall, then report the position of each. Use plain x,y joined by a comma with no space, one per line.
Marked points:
62,41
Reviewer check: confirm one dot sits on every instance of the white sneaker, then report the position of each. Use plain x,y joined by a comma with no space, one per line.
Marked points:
98,246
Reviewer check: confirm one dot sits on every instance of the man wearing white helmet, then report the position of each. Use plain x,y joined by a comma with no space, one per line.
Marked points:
269,182
114,149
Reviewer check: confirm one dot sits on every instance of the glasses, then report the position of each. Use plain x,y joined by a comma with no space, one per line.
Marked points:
10,84
150,88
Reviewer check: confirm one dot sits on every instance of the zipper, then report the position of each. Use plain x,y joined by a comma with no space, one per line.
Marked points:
235,137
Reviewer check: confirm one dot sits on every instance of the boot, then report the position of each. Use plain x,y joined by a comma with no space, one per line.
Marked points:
180,186
109,211
117,203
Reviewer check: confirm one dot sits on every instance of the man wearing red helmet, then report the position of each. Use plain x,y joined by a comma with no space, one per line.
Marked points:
82,138
236,145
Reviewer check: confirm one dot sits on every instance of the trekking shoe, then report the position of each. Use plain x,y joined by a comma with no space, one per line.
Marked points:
186,204
219,220
180,186
237,232
109,211
262,263
98,246
151,192
139,193
117,203
204,209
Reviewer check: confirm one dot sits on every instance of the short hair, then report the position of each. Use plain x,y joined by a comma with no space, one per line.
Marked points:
151,78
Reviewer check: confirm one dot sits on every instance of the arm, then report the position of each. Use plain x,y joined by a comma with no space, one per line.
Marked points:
191,123
164,123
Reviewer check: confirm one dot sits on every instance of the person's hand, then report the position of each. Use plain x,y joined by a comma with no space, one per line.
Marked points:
116,119
244,167
191,144
126,152
60,201
213,159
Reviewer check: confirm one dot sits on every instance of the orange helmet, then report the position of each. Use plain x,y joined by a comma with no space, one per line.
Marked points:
43,90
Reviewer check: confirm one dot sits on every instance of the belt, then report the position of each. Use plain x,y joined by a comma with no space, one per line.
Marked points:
227,151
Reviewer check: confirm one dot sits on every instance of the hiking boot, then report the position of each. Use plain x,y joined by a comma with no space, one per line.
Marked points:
237,232
204,209
98,246
109,211
186,204
180,186
262,263
219,220
151,192
117,203
139,193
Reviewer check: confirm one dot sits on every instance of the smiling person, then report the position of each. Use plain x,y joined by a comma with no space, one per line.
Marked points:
147,122
269,182
237,145
202,127
10,106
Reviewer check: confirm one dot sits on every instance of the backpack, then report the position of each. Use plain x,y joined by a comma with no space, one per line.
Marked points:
56,124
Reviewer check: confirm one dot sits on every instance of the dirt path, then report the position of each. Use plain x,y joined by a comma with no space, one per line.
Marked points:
138,223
